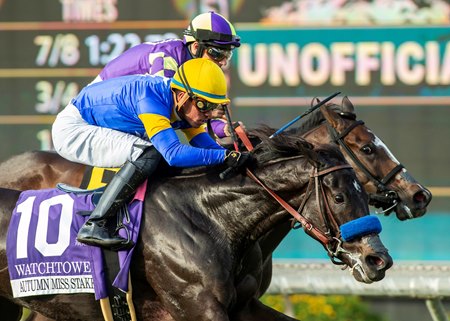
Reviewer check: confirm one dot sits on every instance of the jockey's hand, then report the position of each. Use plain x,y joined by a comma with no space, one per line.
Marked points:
226,129
218,113
238,160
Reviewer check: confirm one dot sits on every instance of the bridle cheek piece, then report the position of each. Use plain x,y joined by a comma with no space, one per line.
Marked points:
332,243
388,200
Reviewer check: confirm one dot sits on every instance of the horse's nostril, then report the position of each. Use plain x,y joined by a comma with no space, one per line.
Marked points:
375,261
420,197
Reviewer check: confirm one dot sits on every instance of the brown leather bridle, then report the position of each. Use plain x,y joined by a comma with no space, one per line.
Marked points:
388,197
331,238
331,241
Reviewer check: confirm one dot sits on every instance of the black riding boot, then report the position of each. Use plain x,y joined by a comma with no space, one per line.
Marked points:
96,231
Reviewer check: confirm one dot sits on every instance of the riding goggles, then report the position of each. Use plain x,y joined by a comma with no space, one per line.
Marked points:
205,106
218,54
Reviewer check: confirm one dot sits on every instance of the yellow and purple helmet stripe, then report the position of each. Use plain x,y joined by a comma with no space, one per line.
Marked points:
212,28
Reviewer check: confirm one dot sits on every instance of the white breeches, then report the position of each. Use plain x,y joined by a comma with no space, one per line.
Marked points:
78,141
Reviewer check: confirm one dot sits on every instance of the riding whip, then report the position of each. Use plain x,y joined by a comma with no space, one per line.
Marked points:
305,113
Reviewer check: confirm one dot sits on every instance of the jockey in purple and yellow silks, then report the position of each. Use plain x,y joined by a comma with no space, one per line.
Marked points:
209,35
131,121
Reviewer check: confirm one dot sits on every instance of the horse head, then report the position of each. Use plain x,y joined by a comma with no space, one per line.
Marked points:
385,179
332,206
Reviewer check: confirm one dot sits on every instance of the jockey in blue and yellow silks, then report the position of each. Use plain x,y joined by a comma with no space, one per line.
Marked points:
132,120
209,35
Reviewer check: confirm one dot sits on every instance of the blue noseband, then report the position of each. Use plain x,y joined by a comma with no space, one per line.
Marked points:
361,226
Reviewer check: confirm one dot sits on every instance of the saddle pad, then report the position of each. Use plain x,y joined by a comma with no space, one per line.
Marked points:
44,256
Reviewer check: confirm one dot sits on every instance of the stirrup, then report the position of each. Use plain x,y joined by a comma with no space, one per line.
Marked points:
122,244
122,214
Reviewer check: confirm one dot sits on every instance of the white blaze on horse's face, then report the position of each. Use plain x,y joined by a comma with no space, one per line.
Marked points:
379,143
357,186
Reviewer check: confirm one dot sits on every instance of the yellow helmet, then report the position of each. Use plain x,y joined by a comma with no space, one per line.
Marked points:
200,77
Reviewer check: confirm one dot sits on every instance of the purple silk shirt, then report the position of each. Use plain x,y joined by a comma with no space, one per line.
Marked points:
155,58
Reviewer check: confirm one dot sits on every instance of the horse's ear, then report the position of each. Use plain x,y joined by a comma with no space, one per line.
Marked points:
332,117
347,106
315,101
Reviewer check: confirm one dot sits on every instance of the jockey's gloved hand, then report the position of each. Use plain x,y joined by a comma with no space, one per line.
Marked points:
238,160
227,131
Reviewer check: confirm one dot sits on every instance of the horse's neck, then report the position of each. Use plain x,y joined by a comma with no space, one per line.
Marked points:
318,135
255,214
270,241
236,211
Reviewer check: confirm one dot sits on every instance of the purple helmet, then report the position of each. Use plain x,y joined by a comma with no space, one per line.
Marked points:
212,29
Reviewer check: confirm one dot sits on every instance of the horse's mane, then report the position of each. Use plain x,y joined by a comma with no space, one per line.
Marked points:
313,120
268,149
292,144
282,145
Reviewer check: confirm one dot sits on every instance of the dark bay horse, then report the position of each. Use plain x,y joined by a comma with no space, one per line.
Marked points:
199,255
388,183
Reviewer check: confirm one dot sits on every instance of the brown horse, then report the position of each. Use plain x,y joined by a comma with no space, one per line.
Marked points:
199,255
388,183
385,179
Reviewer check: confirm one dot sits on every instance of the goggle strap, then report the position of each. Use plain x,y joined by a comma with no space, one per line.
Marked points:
219,54
180,103
201,48
185,82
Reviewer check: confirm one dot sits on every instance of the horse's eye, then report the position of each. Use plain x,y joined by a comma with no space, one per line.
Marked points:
339,198
367,149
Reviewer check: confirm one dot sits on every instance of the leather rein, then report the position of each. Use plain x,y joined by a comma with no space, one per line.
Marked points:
388,197
331,242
